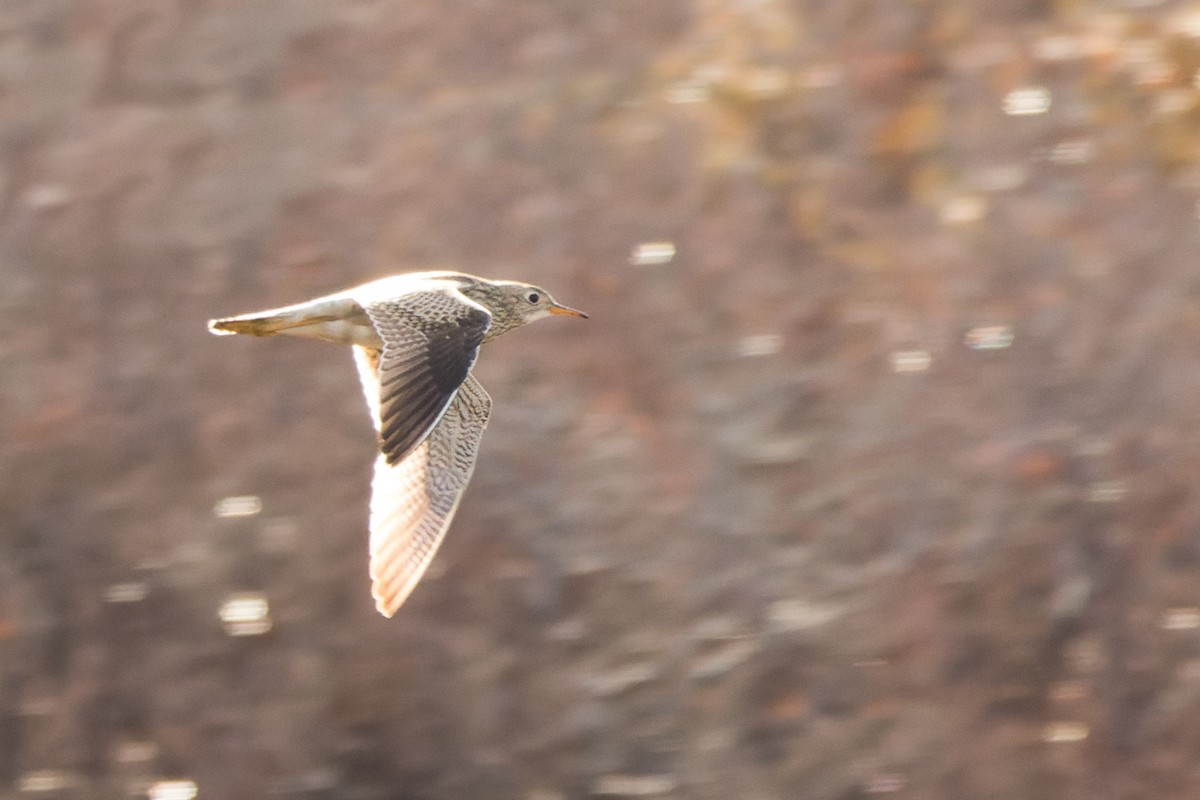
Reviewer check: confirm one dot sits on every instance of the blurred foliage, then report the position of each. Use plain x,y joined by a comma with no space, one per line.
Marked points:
872,477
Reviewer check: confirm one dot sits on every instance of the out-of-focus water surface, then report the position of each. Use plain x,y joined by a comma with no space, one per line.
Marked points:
876,471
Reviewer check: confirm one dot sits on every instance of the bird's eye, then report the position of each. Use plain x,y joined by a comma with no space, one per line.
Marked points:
533,297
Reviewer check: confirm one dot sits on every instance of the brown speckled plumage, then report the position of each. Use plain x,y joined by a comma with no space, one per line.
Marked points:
415,339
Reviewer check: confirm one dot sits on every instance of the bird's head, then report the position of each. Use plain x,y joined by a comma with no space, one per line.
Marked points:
515,304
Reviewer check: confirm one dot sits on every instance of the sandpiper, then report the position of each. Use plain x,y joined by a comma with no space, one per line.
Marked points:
415,338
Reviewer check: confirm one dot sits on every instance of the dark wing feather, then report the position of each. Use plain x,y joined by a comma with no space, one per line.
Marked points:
430,341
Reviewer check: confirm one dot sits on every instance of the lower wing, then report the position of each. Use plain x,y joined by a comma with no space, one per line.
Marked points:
413,501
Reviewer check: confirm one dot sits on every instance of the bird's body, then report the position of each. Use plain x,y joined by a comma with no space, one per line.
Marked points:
415,338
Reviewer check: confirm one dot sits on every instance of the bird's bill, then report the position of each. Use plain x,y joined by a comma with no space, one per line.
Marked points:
574,312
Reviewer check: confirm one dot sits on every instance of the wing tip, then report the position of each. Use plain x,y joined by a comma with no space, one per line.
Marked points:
387,599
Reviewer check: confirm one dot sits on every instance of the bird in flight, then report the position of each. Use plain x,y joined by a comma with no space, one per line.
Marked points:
415,338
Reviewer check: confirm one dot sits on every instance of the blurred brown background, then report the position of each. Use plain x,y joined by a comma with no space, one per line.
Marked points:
874,473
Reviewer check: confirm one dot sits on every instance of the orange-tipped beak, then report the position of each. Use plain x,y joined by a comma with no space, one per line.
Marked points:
557,309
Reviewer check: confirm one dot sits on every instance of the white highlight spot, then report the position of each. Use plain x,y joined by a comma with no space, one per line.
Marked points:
784,616
687,92
45,780
909,361
1027,101
648,254
763,345
246,614
1072,152
989,337
617,785
129,592
963,209
1180,619
1107,491
241,506
172,790
136,752
1065,732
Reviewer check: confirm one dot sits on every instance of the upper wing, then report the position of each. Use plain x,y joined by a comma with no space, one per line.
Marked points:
412,502
430,340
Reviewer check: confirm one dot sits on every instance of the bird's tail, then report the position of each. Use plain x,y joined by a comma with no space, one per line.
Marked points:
336,319
263,323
